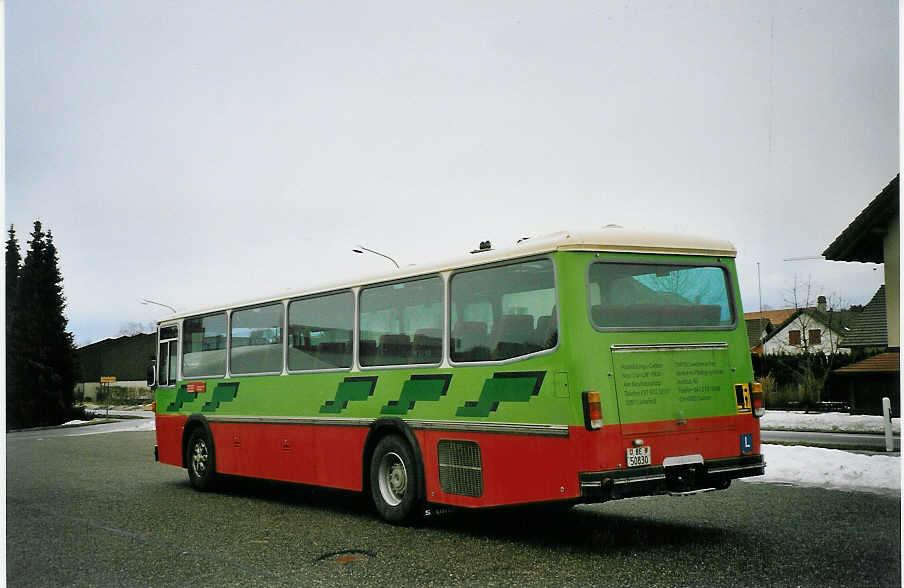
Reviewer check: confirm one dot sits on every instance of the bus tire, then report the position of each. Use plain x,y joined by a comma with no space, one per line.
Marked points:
201,460
393,481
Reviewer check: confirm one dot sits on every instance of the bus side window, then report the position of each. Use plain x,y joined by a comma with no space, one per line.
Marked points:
401,323
322,330
204,346
516,305
256,340
428,345
512,336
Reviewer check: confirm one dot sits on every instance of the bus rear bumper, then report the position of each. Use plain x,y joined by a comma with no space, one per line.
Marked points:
649,480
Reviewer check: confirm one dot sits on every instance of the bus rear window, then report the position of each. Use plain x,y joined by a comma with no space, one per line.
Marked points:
625,296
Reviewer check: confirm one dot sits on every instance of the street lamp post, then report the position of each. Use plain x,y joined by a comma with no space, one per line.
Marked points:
145,301
362,249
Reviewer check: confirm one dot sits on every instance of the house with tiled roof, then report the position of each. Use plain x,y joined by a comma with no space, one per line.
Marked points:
809,330
884,363
774,316
874,236
761,324
756,330
869,331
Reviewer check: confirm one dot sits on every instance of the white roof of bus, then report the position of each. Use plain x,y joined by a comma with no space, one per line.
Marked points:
608,240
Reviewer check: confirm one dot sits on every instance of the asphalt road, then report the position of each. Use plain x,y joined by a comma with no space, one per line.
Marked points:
97,510
861,441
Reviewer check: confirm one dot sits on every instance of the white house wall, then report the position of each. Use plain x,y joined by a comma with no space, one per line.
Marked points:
778,343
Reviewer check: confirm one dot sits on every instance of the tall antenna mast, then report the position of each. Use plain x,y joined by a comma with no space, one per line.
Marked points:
759,286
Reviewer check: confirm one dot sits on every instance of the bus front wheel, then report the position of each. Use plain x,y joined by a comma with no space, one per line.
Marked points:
202,470
393,481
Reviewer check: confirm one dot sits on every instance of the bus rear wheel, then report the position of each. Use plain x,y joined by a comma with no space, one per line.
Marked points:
393,481
200,459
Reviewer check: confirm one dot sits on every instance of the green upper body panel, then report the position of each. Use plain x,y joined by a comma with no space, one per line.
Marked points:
543,388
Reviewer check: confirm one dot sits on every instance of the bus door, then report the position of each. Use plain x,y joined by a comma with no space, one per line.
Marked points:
168,356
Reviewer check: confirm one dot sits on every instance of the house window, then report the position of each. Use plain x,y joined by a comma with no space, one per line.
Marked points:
794,337
815,337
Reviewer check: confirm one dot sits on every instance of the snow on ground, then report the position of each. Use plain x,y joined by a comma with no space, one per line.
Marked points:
829,468
75,422
840,422
100,413
143,424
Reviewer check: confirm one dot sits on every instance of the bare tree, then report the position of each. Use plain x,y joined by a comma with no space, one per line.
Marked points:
135,328
813,330
686,284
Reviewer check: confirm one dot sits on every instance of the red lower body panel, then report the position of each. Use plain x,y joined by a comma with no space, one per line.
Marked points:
515,468
169,438
319,455
306,454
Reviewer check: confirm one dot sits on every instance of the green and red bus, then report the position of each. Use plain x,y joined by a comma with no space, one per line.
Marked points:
577,367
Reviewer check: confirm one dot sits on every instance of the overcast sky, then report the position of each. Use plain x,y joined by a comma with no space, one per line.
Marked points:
201,152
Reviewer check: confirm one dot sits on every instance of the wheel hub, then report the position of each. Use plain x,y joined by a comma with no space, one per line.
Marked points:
199,459
397,479
393,479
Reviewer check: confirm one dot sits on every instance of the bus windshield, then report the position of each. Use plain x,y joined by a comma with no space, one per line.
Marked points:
658,296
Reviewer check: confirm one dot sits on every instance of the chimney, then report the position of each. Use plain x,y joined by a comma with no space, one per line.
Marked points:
821,304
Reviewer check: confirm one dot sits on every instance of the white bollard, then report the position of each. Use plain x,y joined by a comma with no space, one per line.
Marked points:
886,420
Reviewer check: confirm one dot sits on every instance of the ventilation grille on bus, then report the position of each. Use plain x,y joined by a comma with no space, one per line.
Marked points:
460,467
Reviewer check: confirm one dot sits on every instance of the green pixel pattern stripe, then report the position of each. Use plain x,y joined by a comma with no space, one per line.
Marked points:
358,388
224,392
421,387
182,396
503,387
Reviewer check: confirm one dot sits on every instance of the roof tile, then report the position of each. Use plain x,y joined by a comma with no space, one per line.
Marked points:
870,329
888,362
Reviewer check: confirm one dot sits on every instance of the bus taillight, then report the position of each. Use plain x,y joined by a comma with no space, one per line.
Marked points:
759,402
593,411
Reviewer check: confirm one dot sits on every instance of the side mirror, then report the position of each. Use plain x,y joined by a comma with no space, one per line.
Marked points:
152,375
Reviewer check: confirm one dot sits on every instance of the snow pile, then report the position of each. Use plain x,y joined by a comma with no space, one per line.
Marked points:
841,422
75,422
829,468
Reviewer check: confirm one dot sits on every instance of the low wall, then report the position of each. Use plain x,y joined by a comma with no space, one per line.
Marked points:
125,392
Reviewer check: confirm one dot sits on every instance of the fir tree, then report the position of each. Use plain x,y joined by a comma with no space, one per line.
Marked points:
13,265
30,367
45,369
61,342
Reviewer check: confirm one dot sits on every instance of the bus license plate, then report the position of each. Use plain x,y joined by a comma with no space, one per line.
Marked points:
639,456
